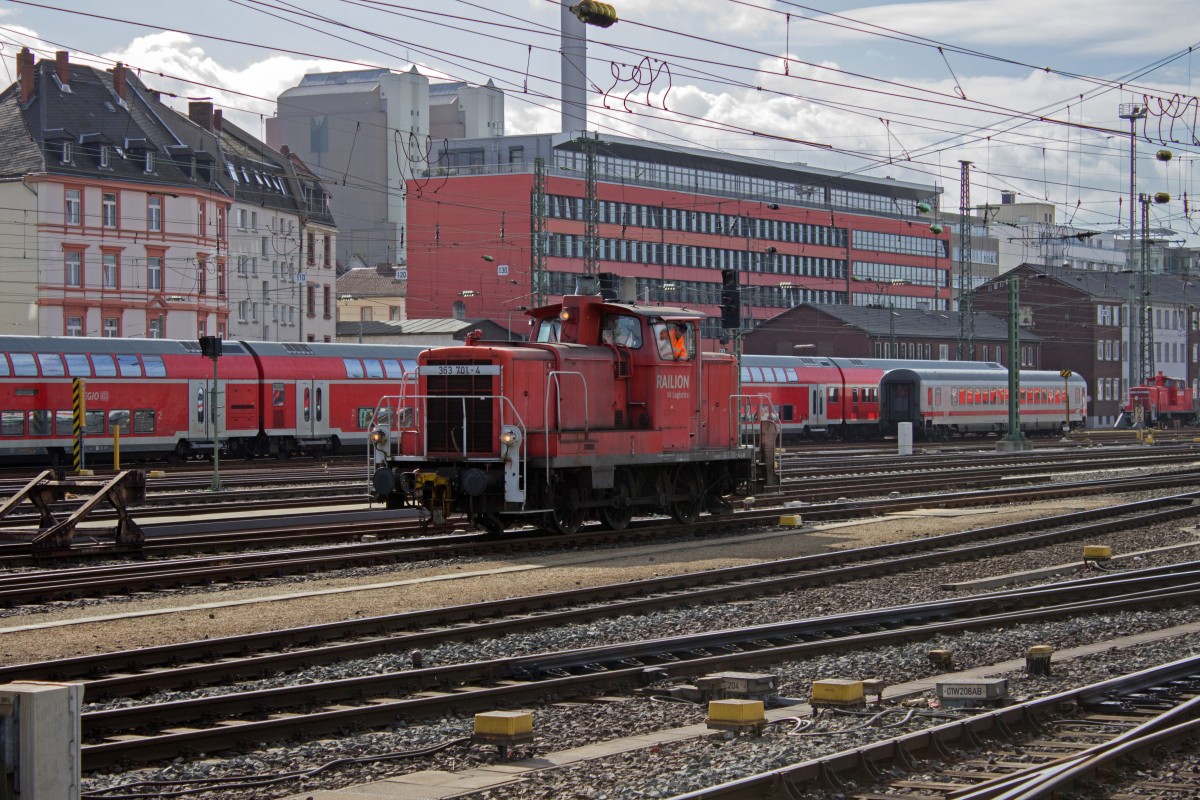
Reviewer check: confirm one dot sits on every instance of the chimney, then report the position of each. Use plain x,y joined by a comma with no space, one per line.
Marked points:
62,66
283,148
119,80
25,73
218,120
201,113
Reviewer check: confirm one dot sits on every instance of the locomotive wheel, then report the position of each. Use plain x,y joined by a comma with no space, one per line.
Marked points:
689,482
492,523
567,516
617,515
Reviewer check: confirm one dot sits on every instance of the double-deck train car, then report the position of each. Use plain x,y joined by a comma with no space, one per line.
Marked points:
948,402
609,410
822,396
276,399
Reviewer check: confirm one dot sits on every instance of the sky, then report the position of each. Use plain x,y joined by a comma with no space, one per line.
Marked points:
1029,91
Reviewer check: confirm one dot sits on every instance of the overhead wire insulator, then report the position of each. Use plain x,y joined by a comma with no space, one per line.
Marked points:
589,12
1164,155
923,207
1162,197
935,229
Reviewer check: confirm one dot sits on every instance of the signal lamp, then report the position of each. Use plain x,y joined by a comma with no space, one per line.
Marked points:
565,315
378,437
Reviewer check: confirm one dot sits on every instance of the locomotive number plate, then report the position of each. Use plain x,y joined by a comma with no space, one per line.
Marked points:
460,369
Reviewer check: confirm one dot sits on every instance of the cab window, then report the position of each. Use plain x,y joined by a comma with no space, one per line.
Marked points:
676,341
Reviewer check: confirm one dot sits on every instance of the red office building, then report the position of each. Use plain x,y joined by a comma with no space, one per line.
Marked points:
496,225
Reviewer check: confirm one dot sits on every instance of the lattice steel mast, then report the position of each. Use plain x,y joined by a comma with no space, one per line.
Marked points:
966,316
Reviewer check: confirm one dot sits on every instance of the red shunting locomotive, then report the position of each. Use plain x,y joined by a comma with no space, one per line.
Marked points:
1160,402
608,411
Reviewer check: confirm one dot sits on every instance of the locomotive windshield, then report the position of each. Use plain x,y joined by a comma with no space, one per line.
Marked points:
548,330
621,329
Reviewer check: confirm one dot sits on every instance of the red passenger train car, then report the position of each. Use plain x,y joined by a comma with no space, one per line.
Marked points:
832,397
609,410
276,399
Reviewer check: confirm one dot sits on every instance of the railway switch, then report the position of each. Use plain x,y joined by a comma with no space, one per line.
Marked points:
1037,659
503,729
835,692
983,692
942,659
736,715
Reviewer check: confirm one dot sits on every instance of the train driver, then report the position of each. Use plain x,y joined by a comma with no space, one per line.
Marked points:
622,330
672,340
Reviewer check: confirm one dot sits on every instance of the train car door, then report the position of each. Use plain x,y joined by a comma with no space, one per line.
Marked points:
312,412
199,415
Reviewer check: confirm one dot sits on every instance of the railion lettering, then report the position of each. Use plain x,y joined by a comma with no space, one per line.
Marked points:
674,381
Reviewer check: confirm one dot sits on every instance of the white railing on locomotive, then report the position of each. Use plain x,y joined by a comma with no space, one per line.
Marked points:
415,414
752,410
393,416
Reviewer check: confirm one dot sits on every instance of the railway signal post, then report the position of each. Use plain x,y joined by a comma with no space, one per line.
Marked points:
1066,376
210,346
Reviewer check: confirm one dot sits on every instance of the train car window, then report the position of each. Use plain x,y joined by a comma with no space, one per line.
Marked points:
64,423
374,368
3,365
39,423
104,366
143,420
307,405
833,394
392,369
780,375
854,394
23,365
12,423
745,374
129,366
52,365
791,375
365,417
93,423
118,419
354,367
155,368
200,404
320,392
787,412
410,366
78,366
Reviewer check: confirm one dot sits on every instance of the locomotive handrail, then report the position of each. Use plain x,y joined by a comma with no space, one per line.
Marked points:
418,419
554,376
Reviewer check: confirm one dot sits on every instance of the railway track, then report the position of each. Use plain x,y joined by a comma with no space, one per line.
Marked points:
1039,748
213,661
165,729
22,587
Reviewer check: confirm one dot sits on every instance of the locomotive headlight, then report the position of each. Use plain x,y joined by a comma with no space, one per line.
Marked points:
510,436
378,437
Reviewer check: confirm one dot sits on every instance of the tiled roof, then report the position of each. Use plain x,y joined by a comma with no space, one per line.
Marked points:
364,282
909,322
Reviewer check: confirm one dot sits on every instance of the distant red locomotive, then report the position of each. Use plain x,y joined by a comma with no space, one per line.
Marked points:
609,410
1164,401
